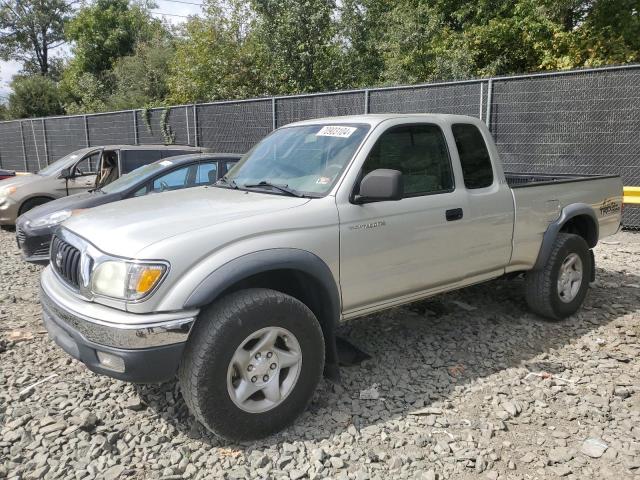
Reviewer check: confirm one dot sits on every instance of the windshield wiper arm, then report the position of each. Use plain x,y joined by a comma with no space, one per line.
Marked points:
282,188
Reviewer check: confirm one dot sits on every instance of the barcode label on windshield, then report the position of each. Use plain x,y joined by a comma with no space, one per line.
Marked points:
336,131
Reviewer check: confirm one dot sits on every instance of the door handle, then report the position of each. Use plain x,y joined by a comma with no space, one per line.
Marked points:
454,214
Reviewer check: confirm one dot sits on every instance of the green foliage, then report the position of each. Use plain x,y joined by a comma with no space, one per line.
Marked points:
107,30
142,78
123,58
29,29
34,96
298,47
168,135
215,58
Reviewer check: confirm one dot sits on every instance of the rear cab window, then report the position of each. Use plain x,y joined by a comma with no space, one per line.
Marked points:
475,160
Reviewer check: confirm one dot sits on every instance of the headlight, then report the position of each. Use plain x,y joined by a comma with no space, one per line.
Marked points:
126,280
6,191
55,218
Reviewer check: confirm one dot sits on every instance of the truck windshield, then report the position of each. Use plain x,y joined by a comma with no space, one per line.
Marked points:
308,159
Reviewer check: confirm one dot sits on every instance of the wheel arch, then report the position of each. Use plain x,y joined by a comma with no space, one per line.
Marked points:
36,196
295,272
577,218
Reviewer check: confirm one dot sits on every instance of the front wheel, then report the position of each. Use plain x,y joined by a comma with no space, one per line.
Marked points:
559,288
252,363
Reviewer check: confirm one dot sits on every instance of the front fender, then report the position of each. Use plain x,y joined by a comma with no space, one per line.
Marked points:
246,266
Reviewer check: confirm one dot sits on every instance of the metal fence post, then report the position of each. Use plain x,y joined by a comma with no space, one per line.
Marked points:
196,140
366,100
274,114
44,141
186,117
135,127
489,102
24,150
86,131
481,99
35,144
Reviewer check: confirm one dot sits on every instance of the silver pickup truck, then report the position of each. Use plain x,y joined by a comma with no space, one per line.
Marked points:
237,288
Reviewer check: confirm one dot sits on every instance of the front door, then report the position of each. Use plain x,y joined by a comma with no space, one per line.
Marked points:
83,174
393,249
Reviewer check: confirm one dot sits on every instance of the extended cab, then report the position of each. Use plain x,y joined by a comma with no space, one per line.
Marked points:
237,288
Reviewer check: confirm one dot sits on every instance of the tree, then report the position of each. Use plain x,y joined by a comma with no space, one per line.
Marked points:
30,29
217,56
34,96
298,45
141,79
107,30
103,33
361,31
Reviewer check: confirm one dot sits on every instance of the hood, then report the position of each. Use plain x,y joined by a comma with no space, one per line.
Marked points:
72,202
19,180
124,228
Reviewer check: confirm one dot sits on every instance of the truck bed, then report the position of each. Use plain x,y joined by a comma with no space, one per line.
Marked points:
519,180
539,198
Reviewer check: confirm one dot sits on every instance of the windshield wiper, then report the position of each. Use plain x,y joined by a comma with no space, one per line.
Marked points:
226,181
282,188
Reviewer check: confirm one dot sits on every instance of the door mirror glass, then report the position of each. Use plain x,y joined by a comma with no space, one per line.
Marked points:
381,185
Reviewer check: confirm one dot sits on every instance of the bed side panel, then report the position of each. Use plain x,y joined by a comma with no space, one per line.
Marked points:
538,206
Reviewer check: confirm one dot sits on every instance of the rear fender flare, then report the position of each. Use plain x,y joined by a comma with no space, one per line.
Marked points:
568,212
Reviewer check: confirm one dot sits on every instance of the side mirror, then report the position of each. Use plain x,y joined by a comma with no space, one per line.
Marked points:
66,173
381,185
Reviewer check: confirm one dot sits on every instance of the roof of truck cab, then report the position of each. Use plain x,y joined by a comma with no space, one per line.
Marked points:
377,118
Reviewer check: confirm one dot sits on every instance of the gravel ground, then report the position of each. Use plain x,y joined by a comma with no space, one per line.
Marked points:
465,385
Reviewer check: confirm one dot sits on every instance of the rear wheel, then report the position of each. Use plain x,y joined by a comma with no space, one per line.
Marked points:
252,363
559,288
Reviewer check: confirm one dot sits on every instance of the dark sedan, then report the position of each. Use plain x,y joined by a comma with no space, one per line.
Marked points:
34,228
6,174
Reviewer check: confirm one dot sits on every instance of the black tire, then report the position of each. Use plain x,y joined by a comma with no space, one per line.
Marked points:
32,203
541,285
219,331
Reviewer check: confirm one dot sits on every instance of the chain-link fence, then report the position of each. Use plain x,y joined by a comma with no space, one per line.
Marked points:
579,121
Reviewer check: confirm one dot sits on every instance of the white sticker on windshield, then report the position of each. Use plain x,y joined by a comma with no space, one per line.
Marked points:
166,163
336,131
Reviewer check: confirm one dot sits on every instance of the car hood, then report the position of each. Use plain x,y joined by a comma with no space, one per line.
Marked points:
72,202
125,228
20,180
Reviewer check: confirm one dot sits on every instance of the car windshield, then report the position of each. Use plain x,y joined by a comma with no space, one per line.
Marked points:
135,177
307,159
66,161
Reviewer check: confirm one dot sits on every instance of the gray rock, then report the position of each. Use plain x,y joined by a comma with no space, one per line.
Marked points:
594,447
114,472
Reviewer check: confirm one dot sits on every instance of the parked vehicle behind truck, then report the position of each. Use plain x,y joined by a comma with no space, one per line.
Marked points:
238,288
35,228
78,172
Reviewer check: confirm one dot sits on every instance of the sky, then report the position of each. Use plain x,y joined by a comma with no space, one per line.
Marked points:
171,10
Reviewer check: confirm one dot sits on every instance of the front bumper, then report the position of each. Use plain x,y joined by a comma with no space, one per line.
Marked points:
146,348
34,245
8,211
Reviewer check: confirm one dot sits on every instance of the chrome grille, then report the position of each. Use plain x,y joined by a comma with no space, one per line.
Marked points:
65,259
